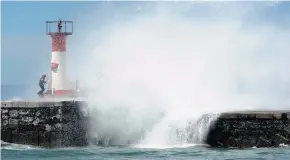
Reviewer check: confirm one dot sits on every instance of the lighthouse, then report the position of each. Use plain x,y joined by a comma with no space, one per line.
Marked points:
59,85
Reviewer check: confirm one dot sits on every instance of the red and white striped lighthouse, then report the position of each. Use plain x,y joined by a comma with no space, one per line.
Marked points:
59,84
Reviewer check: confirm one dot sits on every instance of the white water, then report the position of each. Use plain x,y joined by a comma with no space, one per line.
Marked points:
170,133
13,146
159,70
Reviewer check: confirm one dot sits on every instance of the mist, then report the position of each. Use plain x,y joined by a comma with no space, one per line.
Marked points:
150,66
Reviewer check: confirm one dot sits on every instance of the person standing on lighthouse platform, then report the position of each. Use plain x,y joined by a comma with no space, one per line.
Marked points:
59,26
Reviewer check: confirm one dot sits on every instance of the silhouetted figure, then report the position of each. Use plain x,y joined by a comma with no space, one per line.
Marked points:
41,84
59,26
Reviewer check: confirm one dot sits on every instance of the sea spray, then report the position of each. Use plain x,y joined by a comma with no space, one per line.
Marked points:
172,63
118,125
178,133
198,131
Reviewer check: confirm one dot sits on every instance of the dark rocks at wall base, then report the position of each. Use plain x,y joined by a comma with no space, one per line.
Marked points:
250,129
47,124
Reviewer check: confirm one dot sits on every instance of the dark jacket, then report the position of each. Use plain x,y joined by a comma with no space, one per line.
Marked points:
42,81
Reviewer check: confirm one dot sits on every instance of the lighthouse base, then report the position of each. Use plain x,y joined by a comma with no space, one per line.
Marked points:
61,94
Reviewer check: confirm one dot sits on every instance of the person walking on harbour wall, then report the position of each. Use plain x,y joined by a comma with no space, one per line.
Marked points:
41,84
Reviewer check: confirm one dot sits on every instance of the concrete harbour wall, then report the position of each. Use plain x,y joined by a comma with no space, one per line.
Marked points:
66,124
251,129
46,124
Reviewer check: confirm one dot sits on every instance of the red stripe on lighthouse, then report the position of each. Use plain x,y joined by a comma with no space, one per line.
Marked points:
60,92
63,92
58,42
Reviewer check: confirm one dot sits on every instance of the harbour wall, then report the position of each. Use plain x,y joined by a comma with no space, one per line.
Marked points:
250,129
47,124
56,124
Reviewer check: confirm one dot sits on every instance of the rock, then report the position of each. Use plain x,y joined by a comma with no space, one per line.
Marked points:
4,111
24,112
13,123
37,113
26,120
4,122
57,127
58,116
262,142
248,142
220,144
233,142
287,130
47,128
279,140
4,117
28,137
36,121
13,113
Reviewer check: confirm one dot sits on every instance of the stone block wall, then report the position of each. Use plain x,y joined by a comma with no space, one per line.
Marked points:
46,124
251,129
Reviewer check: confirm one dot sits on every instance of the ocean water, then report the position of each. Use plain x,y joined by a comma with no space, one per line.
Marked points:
10,91
193,152
18,92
